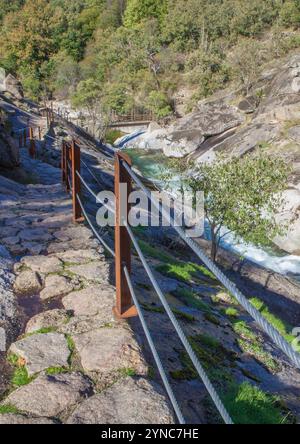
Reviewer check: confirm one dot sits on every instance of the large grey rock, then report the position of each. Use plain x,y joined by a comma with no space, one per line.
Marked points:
13,86
49,396
94,272
55,286
289,214
80,257
43,264
52,318
187,134
109,349
91,301
28,282
12,419
69,233
9,152
130,401
74,244
42,351
35,234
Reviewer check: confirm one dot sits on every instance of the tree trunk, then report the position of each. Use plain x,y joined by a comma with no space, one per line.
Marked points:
214,245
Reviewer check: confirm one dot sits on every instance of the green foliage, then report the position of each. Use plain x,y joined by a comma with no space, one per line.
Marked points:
248,404
137,10
112,135
140,53
191,299
283,328
56,371
158,103
155,252
8,409
243,195
251,343
20,375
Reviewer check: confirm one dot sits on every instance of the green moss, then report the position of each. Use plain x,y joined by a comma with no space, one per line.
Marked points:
184,316
56,371
211,318
250,343
42,331
180,314
277,323
241,328
127,372
216,360
7,409
185,272
231,312
191,299
155,252
256,350
152,308
249,405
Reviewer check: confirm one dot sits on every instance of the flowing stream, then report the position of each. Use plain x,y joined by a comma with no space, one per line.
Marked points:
152,163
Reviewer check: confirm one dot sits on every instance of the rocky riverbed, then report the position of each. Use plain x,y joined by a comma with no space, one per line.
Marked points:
232,123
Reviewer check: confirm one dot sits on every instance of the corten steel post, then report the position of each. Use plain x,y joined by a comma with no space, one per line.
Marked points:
67,168
76,183
124,308
40,133
31,143
63,162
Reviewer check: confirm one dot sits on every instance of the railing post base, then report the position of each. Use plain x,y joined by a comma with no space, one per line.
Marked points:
130,313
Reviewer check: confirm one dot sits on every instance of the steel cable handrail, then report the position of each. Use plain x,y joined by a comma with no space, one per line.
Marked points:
105,245
231,287
215,397
94,194
154,351
173,319
91,172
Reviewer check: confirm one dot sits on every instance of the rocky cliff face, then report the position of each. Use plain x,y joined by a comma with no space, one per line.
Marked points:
268,118
9,152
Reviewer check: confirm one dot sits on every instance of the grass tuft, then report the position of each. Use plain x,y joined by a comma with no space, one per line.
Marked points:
191,299
282,327
8,409
56,371
248,404
20,375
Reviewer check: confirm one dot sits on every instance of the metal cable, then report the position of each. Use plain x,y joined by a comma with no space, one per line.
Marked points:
105,245
94,194
154,351
91,172
215,397
231,287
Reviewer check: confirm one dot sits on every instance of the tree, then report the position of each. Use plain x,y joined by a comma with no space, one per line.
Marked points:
138,10
246,60
88,97
242,196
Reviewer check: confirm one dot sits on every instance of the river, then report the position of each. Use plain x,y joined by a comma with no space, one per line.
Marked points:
152,163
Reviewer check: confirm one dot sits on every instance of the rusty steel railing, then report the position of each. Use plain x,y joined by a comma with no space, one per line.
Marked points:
126,301
28,137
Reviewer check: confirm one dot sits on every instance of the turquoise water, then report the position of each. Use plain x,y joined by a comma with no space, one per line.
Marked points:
152,164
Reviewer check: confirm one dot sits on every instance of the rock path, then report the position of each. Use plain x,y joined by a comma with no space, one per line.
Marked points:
71,361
